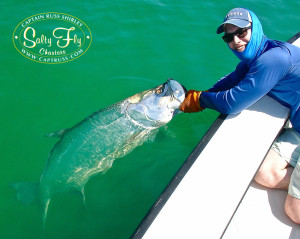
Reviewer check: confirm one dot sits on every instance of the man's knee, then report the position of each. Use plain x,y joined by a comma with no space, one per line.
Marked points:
267,177
273,172
292,208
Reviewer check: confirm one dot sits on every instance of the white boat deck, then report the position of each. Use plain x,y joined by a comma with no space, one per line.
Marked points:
261,215
213,195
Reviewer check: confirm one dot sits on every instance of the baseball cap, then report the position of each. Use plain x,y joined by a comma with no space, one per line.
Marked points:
239,17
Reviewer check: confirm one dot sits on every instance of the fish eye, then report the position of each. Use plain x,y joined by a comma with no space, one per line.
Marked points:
159,90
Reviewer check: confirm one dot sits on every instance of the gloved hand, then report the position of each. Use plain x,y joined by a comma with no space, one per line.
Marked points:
191,102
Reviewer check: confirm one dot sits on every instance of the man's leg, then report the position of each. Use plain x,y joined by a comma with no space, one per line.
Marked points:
292,208
275,172
292,203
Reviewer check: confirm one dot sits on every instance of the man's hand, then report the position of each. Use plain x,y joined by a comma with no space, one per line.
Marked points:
191,102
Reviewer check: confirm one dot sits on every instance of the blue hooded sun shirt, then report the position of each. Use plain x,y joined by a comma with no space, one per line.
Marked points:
267,67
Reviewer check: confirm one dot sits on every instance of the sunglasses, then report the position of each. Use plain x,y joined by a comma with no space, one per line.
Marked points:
240,33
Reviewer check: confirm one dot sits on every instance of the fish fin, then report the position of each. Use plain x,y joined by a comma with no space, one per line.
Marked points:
44,205
26,192
149,134
29,193
83,196
135,137
58,133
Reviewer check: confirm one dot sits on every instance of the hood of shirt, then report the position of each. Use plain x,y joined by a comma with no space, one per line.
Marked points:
256,43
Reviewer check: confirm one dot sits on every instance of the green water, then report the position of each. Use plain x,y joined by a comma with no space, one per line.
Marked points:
136,45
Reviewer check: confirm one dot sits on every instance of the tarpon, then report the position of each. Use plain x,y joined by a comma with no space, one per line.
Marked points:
91,146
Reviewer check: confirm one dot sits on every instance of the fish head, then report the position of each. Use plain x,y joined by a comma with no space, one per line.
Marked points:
157,106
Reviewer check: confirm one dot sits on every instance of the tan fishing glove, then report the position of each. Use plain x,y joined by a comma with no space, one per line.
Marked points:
191,102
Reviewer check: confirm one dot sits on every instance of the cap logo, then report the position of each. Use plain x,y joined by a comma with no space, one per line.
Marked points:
235,14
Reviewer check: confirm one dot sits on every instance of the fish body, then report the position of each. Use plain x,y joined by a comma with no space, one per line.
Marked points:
91,146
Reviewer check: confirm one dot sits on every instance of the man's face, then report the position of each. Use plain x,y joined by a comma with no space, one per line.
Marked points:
238,43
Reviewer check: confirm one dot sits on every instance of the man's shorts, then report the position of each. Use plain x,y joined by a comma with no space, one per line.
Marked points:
287,145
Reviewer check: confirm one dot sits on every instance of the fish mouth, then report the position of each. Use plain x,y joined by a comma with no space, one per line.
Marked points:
176,89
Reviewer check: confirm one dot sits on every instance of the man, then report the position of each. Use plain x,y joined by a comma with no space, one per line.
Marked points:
267,67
